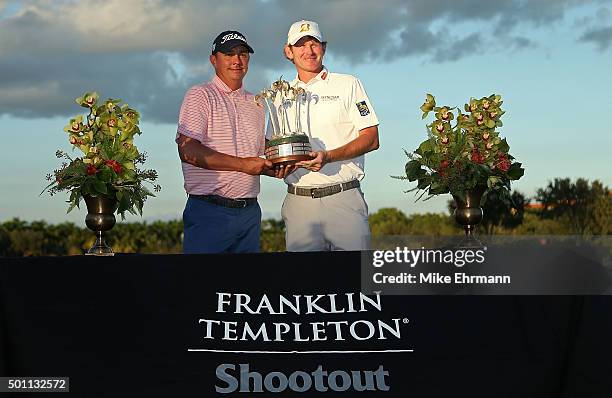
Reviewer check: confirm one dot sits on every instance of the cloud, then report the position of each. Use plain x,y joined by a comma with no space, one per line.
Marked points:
30,88
597,28
519,42
471,44
601,37
149,52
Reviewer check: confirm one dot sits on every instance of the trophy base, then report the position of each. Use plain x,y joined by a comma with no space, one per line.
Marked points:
289,160
288,150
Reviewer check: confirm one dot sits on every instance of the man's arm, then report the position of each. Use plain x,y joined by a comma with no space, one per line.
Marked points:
367,141
193,152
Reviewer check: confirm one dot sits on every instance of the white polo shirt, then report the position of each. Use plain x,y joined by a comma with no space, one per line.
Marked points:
333,111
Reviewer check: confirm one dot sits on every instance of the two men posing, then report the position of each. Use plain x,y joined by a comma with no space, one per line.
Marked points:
220,140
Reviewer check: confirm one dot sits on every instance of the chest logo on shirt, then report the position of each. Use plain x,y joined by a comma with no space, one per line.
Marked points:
362,107
329,98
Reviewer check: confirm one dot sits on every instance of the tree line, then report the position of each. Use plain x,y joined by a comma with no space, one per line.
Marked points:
563,207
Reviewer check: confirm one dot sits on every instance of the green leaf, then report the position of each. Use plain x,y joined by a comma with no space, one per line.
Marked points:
412,169
423,183
492,181
437,188
124,203
515,171
145,192
86,189
100,187
105,175
72,206
503,146
125,134
426,146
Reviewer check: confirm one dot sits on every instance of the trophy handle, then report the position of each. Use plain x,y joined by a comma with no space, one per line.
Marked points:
281,113
298,121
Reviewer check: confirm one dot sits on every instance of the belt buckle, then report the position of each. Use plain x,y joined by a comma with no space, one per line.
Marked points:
313,192
243,203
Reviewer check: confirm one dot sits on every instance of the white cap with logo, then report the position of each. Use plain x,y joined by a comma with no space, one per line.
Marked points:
303,28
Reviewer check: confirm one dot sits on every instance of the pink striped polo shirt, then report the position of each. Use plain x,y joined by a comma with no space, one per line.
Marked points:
229,122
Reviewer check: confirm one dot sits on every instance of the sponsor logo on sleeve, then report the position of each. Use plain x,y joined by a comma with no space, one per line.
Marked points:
362,107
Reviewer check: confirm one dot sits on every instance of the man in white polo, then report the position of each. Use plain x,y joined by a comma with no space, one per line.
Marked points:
324,208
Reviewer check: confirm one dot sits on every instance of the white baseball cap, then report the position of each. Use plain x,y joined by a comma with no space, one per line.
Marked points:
303,28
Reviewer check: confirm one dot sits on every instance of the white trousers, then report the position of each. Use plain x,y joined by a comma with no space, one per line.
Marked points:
335,222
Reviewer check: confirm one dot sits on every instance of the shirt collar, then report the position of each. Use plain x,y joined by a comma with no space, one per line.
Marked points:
220,84
321,76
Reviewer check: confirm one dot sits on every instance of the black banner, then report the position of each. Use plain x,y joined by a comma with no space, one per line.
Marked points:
291,324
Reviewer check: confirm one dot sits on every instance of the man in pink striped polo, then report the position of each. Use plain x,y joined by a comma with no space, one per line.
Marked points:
220,139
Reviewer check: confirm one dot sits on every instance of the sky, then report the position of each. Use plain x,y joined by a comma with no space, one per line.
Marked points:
550,60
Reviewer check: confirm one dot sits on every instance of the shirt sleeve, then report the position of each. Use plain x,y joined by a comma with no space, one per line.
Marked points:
361,111
193,117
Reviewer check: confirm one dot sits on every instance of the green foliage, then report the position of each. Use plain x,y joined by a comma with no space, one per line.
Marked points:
568,208
141,237
534,225
20,238
586,207
457,158
391,221
272,238
108,166
600,220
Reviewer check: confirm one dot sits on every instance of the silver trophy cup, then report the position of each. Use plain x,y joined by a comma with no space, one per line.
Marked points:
288,143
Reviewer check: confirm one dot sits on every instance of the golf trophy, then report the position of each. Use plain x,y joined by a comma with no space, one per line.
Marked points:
288,144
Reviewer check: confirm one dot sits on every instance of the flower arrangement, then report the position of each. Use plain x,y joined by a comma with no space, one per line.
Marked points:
108,166
469,154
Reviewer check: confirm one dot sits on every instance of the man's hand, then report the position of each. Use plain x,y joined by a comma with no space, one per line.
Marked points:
319,160
366,141
256,166
283,171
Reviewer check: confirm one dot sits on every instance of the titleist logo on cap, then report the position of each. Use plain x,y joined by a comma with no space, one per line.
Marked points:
231,36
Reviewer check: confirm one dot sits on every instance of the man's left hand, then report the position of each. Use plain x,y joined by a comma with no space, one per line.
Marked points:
319,160
281,171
